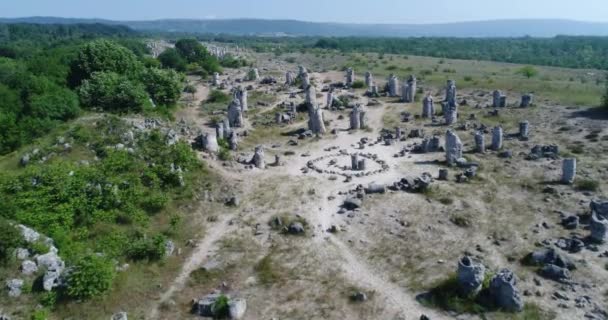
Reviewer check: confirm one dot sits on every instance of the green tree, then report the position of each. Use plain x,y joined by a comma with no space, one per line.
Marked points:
10,239
164,86
57,104
102,56
91,277
171,58
192,50
605,98
112,92
527,71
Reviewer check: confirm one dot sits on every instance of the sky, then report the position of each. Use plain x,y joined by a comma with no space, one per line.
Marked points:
350,11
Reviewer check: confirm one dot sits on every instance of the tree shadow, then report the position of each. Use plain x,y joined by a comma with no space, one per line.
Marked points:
597,113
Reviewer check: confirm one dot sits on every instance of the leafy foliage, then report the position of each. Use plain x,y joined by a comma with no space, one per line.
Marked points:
10,239
91,276
164,86
527,71
112,92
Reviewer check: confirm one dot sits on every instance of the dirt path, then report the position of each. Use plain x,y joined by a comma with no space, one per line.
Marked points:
203,248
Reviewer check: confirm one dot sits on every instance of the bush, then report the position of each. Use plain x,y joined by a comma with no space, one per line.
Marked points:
91,277
112,92
587,185
220,307
10,239
147,248
358,84
217,96
164,86
527,71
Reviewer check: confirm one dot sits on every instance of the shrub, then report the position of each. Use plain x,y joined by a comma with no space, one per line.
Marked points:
587,185
217,96
527,71
91,277
220,307
146,248
10,239
358,84
112,92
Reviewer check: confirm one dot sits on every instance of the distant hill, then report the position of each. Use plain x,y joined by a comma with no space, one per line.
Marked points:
492,28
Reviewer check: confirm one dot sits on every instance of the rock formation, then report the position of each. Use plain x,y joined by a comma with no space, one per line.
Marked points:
258,158
497,138
369,80
357,118
235,114
504,291
450,112
524,130
409,90
393,86
599,228
453,147
526,100
350,76
315,122
450,92
470,275
480,142
428,109
568,170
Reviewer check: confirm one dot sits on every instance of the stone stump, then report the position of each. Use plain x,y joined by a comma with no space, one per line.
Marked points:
568,170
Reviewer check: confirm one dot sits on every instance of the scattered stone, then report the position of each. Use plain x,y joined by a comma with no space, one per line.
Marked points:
504,291
28,267
14,287
470,275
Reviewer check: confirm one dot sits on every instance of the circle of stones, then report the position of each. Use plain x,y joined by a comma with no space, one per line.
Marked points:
312,165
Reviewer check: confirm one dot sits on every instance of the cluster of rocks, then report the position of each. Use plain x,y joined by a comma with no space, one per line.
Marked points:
413,185
543,151
208,306
553,265
50,262
502,289
358,163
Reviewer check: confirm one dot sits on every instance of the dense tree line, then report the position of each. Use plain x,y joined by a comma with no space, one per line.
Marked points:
562,51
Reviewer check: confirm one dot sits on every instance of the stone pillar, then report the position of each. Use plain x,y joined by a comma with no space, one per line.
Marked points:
219,130
233,141
428,110
526,100
355,118
480,142
305,80
289,78
277,160
453,147
524,129
330,99
354,162
369,80
350,76
310,97
235,114
599,228
409,90
253,74
496,98
450,113
210,143
497,138
227,129
374,91
315,121
470,276
503,101
301,71
216,79
278,118
393,86
241,94
450,92
361,165
568,170
398,133
362,120
258,158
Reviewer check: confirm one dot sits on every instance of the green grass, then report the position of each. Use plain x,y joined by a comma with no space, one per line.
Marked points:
587,185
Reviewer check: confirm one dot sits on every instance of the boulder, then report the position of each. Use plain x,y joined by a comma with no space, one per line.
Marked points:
204,306
570,222
29,267
599,207
14,287
549,256
295,228
237,308
119,316
352,203
504,291
556,273
470,276
599,228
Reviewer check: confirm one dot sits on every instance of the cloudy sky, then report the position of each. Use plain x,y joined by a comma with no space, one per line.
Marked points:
358,11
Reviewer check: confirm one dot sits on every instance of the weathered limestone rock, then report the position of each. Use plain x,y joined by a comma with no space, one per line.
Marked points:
253,74
453,147
398,133
235,114
233,141
219,130
54,267
428,110
431,144
375,188
480,142
14,287
227,129
409,90
295,228
503,102
393,86
443,174
470,276
526,100
315,122
599,228
204,306
354,160
305,80
216,79
450,113
241,95
22,253
362,166
289,78
207,142
330,99
568,170
450,92
369,80
120,316
237,308
301,70
524,129
258,158
310,97
357,118
350,76
373,91
497,138
496,97
171,138
505,293
599,207
28,267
